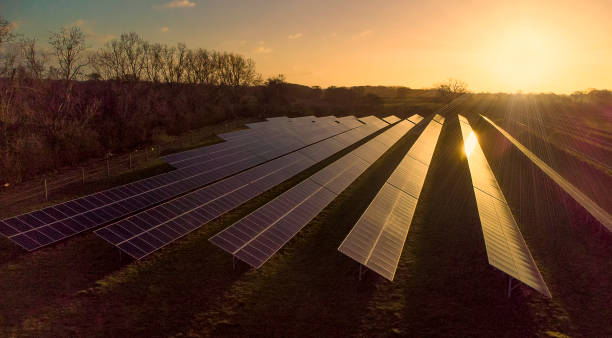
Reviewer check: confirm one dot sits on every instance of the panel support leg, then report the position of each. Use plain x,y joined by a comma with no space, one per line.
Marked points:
234,263
361,272
510,286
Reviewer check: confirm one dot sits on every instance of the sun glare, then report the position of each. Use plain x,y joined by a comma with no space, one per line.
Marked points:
524,58
470,144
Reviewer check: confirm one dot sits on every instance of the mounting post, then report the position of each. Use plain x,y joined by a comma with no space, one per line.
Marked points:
361,272
233,263
46,191
510,286
83,174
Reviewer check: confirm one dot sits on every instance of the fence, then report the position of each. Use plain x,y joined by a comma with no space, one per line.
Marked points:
42,188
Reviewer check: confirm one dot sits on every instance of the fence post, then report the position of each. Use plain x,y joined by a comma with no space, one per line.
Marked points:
46,191
83,174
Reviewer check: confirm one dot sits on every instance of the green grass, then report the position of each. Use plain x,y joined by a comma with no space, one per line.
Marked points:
444,285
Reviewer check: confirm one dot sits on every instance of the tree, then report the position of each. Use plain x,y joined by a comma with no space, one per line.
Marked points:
35,60
452,88
69,46
6,31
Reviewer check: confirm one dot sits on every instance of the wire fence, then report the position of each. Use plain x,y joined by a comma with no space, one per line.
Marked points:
107,167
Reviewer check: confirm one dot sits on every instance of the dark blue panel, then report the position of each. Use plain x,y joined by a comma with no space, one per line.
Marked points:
95,200
76,206
106,200
147,218
85,203
25,242
51,233
121,232
17,224
43,216
132,250
30,220
168,231
53,212
63,228
84,221
7,230
156,243
142,245
160,235
110,209
140,223
74,225
66,210
39,237
109,236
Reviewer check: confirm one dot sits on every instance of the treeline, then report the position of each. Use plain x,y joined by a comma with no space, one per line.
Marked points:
64,103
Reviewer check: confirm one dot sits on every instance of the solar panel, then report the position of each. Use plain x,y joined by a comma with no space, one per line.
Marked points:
506,248
148,231
415,119
258,236
589,205
52,224
391,119
439,119
264,138
377,239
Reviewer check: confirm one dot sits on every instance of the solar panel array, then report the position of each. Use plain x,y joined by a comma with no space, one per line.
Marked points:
377,239
268,141
589,205
258,236
148,231
506,248
52,224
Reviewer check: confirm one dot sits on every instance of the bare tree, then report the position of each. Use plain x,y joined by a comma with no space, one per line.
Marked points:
201,67
6,31
452,87
69,47
34,59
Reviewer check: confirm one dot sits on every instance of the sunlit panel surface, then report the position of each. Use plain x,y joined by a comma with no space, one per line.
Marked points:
255,238
595,210
506,248
377,239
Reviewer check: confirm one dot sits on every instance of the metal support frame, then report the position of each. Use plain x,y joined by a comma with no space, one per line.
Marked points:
362,272
233,262
510,286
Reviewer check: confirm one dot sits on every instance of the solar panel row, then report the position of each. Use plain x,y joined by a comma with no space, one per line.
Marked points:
52,224
377,239
273,134
506,248
282,133
258,236
146,232
588,204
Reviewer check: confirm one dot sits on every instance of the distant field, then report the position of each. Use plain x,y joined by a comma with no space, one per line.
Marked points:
444,285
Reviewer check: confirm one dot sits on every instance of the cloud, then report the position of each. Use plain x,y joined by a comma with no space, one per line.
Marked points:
262,49
363,34
85,26
176,4
295,36
164,29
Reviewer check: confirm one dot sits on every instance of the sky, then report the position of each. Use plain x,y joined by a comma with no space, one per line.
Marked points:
494,46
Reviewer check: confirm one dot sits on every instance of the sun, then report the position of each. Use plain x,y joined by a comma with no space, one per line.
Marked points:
524,59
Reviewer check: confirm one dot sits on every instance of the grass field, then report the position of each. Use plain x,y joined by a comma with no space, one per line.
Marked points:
444,285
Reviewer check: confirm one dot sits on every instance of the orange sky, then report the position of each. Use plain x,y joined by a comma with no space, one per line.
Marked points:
532,46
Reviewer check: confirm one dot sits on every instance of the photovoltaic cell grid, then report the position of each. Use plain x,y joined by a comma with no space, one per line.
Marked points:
595,210
506,248
52,224
266,139
258,236
391,119
377,239
146,232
